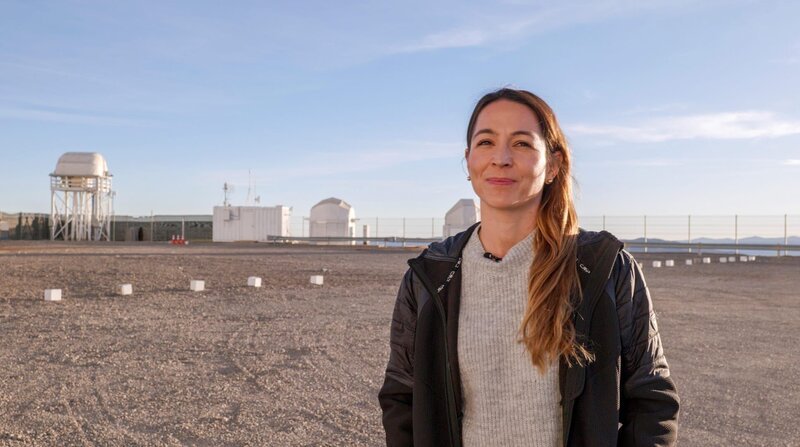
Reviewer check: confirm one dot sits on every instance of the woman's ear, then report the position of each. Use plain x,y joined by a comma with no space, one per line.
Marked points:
466,153
556,159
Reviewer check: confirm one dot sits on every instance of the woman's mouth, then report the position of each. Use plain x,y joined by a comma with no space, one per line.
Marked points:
499,181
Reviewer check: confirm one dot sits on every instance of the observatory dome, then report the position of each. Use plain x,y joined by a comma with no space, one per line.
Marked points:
334,203
332,217
461,216
81,164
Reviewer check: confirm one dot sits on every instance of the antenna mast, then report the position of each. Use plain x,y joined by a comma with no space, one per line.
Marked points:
249,200
228,189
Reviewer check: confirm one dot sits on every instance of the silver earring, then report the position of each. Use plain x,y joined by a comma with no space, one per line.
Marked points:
469,178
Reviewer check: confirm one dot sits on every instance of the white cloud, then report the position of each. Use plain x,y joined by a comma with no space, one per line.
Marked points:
644,163
792,56
715,126
69,117
33,68
456,38
326,164
513,19
789,60
791,162
485,31
652,163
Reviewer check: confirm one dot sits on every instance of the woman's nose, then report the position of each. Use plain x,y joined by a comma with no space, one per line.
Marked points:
502,155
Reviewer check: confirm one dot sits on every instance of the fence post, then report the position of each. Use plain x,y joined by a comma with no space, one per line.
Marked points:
736,231
785,234
432,225
404,232
645,233
376,227
690,232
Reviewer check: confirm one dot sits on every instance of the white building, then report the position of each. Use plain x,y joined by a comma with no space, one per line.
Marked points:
332,218
460,217
249,223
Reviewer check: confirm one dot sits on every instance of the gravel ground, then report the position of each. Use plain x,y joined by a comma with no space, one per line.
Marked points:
296,364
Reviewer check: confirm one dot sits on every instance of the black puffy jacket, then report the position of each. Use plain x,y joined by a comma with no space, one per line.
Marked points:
624,398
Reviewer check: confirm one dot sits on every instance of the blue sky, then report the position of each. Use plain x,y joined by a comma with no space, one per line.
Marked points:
671,107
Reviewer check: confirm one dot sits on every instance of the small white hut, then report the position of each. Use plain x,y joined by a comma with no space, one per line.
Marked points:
249,223
460,217
332,217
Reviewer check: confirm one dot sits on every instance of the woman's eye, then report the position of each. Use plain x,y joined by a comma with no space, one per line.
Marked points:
483,142
523,143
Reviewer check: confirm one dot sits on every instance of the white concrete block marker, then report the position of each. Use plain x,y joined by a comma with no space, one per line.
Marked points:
731,258
197,285
52,295
706,260
742,258
751,258
688,262
669,263
125,289
254,281
723,260
656,264
316,279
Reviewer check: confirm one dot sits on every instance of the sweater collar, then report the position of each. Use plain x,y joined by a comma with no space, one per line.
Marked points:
520,255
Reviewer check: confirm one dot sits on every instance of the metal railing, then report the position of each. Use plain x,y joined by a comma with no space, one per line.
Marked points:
675,228
397,227
687,232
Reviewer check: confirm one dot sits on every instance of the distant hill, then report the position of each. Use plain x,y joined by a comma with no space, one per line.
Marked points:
792,240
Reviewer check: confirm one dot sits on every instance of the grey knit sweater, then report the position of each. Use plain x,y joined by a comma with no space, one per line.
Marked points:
507,401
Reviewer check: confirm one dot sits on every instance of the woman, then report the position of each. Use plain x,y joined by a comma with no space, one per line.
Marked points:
524,329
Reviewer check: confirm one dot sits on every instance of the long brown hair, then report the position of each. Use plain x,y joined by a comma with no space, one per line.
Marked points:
547,329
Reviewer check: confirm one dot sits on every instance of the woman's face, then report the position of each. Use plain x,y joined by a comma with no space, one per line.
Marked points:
507,158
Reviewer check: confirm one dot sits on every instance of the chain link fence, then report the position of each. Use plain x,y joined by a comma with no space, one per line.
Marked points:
699,228
688,228
752,229
400,227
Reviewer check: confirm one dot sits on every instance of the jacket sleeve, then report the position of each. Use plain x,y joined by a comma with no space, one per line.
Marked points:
395,395
649,402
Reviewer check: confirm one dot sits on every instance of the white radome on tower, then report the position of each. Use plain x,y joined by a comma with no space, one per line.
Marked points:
81,199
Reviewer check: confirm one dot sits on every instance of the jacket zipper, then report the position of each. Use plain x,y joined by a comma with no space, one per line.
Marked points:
448,374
